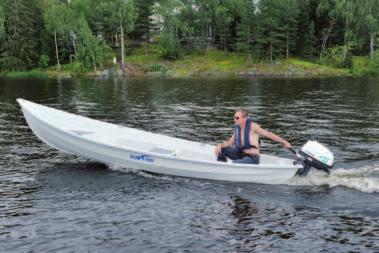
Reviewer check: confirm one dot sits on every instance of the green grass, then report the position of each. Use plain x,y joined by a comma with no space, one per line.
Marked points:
360,66
220,63
27,74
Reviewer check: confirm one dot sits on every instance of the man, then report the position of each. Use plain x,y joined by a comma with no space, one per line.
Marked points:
243,146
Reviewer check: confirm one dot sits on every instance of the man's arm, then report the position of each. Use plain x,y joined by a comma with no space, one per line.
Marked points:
272,136
225,144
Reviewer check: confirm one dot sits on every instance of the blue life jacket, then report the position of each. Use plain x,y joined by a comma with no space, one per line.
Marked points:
247,144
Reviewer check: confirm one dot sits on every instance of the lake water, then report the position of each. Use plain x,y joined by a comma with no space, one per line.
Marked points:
54,202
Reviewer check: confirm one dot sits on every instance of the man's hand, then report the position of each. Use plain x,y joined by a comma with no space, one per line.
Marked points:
218,149
286,144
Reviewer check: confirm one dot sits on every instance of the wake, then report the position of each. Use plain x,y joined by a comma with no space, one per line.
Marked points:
365,179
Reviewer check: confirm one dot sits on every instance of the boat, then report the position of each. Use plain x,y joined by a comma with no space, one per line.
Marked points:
124,147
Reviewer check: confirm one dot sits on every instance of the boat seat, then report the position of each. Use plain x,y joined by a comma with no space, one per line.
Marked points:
163,151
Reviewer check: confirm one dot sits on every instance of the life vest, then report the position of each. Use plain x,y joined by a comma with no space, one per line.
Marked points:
247,144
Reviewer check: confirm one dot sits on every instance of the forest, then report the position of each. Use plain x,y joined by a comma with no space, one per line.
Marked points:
89,34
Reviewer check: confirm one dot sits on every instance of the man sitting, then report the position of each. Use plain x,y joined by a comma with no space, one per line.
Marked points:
243,145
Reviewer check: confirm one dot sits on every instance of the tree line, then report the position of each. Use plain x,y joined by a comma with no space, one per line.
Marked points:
88,33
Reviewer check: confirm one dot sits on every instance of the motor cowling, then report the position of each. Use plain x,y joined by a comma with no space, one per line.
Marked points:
313,154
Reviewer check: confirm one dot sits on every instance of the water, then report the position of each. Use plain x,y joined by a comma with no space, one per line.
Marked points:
53,202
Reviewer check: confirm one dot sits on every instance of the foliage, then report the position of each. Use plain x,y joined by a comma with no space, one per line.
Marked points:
335,57
75,67
169,12
43,61
2,20
27,74
21,44
364,66
87,31
155,67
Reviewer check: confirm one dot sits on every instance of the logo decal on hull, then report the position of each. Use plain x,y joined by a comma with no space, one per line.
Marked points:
141,157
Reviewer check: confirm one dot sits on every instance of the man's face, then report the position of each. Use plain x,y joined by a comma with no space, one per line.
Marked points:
238,119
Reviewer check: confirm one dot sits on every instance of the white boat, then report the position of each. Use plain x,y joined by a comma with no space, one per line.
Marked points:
125,147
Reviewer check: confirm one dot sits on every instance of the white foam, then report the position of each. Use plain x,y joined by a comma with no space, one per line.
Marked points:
363,179
139,172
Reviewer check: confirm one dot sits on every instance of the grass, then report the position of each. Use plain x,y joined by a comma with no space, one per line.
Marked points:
360,66
27,74
219,63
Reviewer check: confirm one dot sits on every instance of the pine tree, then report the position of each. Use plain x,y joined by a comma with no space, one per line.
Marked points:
224,19
272,33
142,26
21,46
245,27
309,50
305,39
2,20
289,12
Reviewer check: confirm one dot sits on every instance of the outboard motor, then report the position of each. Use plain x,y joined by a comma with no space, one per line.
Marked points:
315,155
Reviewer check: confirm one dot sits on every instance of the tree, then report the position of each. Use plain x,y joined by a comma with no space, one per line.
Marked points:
20,49
272,33
245,27
58,21
89,50
309,49
289,12
345,11
2,20
224,19
122,17
142,23
367,21
327,8
169,11
197,22
304,34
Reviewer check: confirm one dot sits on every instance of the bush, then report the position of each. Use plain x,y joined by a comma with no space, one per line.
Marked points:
76,67
170,46
364,66
43,61
334,57
156,67
27,74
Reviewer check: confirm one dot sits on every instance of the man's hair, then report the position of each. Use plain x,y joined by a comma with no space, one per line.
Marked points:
243,111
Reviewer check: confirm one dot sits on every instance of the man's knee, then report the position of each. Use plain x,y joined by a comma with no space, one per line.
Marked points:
228,152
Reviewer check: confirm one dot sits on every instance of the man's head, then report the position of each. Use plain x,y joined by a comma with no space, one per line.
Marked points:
240,116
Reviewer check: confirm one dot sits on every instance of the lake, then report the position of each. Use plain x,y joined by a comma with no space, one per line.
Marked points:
55,202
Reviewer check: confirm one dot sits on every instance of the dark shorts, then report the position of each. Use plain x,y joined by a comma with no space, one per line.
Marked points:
237,156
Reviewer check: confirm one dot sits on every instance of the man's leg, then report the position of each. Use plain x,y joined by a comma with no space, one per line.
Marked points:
231,152
248,159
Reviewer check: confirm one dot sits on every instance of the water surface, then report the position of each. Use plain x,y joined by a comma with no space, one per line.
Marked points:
54,202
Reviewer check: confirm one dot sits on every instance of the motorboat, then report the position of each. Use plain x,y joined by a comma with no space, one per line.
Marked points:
124,147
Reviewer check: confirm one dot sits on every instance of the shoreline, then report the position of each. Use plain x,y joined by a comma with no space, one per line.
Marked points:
214,64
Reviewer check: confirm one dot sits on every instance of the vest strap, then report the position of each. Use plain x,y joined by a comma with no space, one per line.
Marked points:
238,140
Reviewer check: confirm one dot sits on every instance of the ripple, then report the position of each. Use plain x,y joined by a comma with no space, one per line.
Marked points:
51,202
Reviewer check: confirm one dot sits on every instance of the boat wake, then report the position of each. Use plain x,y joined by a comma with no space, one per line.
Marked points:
365,179
140,173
